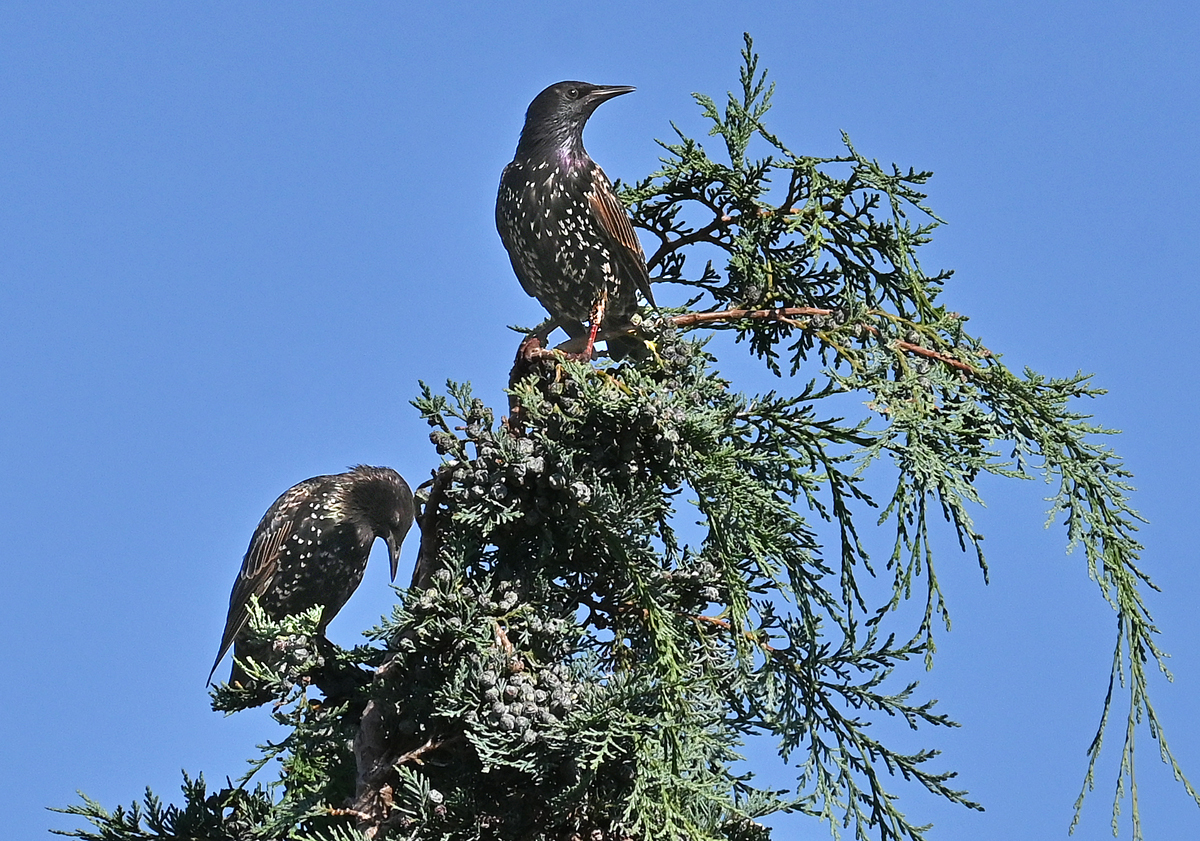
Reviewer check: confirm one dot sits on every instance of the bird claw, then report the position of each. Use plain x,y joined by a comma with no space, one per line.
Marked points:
531,349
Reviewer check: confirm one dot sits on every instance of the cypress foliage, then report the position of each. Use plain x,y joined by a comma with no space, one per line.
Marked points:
577,659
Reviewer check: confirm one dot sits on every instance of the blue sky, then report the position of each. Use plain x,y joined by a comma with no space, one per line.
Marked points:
234,236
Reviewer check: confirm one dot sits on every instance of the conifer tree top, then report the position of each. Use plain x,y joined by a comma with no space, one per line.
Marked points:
633,568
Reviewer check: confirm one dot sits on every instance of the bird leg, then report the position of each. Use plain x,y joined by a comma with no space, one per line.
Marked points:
594,317
587,350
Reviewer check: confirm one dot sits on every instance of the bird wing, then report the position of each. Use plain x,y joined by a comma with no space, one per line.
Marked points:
613,218
262,559
510,186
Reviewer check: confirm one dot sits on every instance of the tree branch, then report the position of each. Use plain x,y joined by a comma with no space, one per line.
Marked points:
783,314
699,235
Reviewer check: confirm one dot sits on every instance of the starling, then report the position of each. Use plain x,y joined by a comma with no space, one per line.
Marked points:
311,548
569,237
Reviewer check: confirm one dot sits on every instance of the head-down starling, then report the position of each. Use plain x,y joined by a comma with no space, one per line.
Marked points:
311,548
569,237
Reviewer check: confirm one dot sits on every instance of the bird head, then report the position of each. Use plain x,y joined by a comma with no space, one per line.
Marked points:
383,502
557,115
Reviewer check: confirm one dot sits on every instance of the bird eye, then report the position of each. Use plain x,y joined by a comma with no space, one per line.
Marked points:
573,93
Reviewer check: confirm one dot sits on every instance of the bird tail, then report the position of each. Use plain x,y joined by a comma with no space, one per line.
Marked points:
238,676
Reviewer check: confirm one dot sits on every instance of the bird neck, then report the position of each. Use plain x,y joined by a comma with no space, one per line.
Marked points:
367,507
563,148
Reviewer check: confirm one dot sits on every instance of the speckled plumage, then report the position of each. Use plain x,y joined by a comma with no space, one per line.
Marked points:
311,548
568,236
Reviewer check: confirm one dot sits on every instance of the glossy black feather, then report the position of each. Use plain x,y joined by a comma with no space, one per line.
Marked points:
311,548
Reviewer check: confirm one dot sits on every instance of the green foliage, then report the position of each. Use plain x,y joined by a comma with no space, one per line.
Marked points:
230,813
628,577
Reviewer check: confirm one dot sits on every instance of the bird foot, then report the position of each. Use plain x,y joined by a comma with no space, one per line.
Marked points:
532,349
595,317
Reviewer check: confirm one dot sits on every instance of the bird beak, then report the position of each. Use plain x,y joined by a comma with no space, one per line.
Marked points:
396,536
606,92
393,544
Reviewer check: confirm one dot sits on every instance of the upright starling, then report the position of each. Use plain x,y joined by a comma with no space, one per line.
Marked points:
311,548
569,237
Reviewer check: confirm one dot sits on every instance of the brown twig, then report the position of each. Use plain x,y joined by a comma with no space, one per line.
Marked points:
352,813
502,641
374,759
415,754
574,346
699,235
429,522
784,314
721,623
372,795
940,357
777,314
